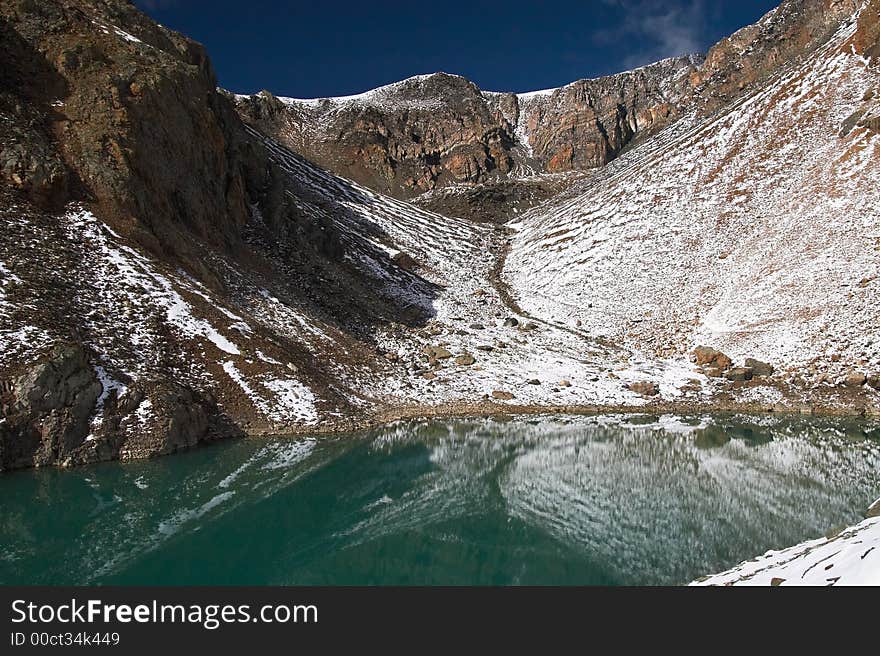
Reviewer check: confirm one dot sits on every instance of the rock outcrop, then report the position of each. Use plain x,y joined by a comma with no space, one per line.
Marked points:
403,139
49,415
750,55
436,130
587,123
47,409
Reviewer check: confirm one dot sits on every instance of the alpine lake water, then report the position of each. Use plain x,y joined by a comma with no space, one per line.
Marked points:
609,500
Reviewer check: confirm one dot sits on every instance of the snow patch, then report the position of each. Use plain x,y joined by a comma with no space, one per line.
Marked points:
850,558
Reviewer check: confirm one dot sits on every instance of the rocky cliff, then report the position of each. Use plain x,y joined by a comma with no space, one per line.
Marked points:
403,139
129,190
438,130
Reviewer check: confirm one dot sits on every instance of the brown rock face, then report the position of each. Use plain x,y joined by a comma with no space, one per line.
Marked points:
748,56
587,123
562,160
109,93
108,107
430,131
403,139
867,37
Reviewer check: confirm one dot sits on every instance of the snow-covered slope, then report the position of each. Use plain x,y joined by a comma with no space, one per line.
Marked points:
756,232
404,94
265,348
849,557
468,315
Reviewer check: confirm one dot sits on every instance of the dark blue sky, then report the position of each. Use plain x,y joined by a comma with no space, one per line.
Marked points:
311,49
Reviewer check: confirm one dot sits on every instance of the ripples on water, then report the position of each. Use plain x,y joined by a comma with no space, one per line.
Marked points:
582,500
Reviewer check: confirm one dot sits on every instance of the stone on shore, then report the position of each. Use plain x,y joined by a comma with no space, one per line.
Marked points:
708,356
644,387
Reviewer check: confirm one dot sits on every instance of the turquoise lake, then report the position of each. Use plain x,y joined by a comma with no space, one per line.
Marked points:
611,500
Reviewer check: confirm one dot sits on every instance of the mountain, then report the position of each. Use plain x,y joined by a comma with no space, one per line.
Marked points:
751,230
434,131
179,264
115,331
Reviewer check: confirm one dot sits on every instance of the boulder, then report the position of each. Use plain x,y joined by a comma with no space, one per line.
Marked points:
739,374
706,355
405,261
47,409
855,379
178,418
644,387
759,368
534,381
465,360
502,395
511,322
437,352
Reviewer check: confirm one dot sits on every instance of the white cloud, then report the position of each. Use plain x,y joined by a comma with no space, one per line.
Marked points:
657,29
